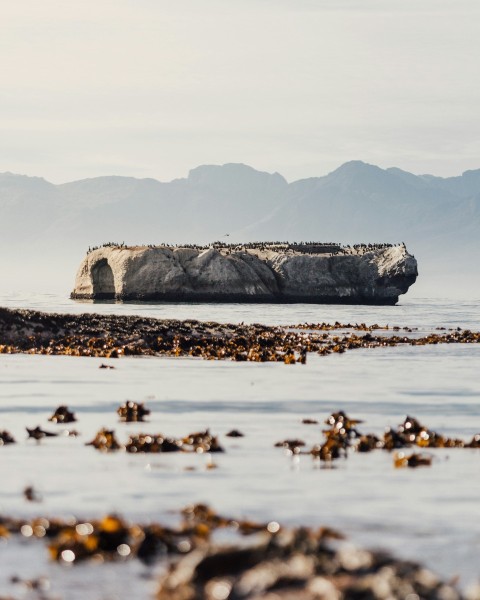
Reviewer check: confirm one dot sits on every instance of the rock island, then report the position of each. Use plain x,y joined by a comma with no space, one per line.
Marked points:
257,272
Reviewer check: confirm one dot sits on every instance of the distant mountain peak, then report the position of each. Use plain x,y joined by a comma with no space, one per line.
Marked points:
356,166
8,175
471,173
231,173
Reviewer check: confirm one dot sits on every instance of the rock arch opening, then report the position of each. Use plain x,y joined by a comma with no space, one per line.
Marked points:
103,282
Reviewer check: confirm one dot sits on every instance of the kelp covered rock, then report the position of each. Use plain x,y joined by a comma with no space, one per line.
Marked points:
6,438
300,564
62,415
152,444
105,440
131,412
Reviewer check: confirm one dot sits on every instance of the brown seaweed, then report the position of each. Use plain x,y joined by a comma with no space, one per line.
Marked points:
152,444
6,438
31,495
333,448
235,433
105,441
368,442
114,336
475,442
38,433
62,415
292,445
412,432
132,412
202,441
401,460
298,564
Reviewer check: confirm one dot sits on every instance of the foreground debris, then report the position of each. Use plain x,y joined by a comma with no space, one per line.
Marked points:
71,540
272,562
300,564
112,336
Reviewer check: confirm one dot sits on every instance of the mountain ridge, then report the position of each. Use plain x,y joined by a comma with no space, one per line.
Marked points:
469,173
437,217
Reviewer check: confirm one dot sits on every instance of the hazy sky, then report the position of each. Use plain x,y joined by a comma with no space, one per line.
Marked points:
152,88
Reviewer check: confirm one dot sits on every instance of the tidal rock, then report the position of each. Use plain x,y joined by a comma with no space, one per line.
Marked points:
63,415
301,564
131,412
252,273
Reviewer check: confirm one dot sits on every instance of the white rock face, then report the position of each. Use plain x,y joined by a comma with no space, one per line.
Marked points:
376,276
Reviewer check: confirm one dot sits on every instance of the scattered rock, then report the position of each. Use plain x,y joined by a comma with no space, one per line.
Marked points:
369,442
400,460
274,563
105,440
235,433
62,415
31,494
6,438
412,432
70,433
300,564
202,441
39,584
38,433
293,446
152,444
131,412
343,434
475,442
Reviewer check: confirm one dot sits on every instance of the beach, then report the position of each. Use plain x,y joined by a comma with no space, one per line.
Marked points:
411,512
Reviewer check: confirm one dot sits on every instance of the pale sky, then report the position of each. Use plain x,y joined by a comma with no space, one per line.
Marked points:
152,88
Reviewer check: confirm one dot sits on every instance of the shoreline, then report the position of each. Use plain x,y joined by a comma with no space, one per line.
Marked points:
112,336
249,468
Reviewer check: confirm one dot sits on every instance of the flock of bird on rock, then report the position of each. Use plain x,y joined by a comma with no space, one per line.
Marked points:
278,246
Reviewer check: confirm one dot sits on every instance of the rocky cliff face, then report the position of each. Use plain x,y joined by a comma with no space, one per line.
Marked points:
264,274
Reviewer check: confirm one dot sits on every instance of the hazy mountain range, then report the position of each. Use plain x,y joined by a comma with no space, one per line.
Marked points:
46,228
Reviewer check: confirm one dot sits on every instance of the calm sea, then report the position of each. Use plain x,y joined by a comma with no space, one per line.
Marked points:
427,514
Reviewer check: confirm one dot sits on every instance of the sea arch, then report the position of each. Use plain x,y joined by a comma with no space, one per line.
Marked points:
103,281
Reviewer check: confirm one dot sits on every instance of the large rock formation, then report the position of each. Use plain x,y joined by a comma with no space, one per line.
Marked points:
255,273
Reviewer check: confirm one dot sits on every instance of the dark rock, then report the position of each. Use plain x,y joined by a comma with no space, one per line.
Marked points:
62,415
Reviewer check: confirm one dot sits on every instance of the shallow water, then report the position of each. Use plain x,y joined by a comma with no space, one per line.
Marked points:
424,313
428,514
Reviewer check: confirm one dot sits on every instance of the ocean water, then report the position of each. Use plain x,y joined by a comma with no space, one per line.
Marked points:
427,514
